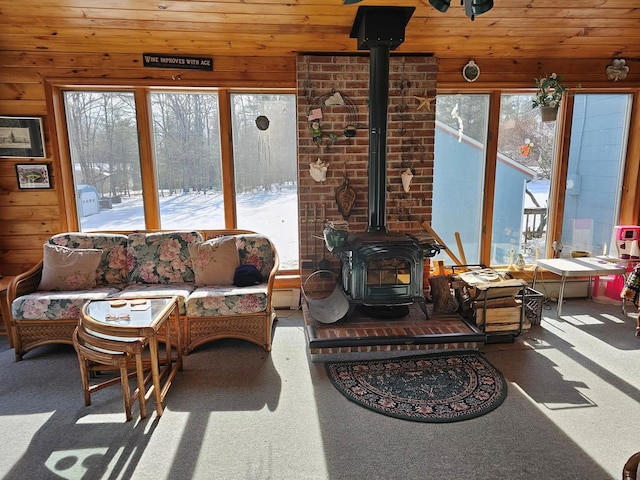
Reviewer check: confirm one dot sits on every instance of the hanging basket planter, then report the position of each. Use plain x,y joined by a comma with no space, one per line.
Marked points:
550,91
549,114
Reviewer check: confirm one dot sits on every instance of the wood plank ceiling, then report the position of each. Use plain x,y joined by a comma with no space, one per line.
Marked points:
525,29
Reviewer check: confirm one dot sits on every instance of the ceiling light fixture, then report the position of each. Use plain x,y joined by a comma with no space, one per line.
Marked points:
471,7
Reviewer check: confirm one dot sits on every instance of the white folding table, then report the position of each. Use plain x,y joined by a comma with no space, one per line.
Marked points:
578,267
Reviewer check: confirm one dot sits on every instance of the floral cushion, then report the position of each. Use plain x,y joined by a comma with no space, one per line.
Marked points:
69,268
212,301
256,249
112,270
55,305
182,291
161,258
214,261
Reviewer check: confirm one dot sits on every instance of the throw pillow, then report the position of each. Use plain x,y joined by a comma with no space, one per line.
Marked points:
68,268
214,261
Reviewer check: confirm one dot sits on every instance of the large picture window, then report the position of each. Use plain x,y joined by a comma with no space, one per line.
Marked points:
524,172
186,149
105,159
594,173
460,154
180,183
515,189
264,158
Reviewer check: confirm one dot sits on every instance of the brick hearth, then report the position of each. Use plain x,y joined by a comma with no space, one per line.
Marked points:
360,334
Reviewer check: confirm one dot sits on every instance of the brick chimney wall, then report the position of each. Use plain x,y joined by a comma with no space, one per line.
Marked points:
410,139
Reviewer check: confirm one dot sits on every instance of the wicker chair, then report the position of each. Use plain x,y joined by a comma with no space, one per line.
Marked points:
630,470
35,333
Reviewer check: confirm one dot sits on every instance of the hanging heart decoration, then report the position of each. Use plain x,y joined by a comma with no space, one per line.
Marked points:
345,198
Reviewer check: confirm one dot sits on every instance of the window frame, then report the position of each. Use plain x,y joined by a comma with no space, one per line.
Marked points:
629,201
629,212
60,140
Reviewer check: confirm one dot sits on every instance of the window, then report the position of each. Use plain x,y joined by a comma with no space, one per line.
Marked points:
460,153
521,196
186,149
105,161
594,173
524,170
264,158
181,183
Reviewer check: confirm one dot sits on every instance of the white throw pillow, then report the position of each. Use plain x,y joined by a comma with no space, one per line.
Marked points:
214,261
68,268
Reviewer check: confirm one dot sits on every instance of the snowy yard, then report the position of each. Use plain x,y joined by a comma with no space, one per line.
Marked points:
271,213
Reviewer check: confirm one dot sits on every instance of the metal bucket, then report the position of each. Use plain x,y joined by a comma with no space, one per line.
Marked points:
330,309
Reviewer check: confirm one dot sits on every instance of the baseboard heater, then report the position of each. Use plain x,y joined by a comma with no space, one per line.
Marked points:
574,288
286,298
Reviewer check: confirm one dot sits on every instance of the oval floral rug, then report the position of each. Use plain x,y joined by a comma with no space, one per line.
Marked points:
439,387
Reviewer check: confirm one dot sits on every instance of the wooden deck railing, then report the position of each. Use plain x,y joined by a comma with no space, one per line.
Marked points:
535,222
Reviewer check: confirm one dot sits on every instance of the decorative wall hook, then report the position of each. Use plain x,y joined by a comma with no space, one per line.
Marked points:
341,101
617,70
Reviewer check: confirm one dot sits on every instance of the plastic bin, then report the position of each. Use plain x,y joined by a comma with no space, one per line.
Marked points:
614,287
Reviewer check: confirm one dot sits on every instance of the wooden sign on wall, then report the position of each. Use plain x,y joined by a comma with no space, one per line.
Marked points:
157,60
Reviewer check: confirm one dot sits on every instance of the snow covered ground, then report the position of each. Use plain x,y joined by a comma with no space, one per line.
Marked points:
271,213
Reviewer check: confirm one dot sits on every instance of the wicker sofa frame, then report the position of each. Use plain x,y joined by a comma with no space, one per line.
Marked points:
253,327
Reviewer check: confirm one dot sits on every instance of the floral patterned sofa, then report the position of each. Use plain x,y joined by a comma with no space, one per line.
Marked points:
195,266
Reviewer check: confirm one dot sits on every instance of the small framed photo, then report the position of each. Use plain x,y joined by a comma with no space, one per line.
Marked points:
33,175
21,137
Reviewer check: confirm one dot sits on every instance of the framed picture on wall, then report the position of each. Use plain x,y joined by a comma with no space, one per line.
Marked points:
21,137
33,175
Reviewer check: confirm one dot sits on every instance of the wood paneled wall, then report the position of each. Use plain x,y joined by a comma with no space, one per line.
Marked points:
508,73
27,218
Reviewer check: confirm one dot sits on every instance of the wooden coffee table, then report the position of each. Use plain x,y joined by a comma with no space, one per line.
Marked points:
144,319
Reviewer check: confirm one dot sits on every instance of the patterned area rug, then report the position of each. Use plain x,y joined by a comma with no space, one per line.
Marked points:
440,387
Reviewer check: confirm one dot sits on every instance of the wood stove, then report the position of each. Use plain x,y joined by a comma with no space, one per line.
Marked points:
381,270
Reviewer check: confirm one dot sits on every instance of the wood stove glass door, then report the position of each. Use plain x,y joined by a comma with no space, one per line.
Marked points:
388,281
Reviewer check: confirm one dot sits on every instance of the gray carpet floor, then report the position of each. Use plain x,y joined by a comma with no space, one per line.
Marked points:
236,412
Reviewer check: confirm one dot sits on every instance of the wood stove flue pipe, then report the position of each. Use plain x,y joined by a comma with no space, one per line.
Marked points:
380,30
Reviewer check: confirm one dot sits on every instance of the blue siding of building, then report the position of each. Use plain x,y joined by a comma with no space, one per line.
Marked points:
458,192
593,178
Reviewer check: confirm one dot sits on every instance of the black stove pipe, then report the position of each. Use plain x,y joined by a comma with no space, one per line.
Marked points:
378,105
380,30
